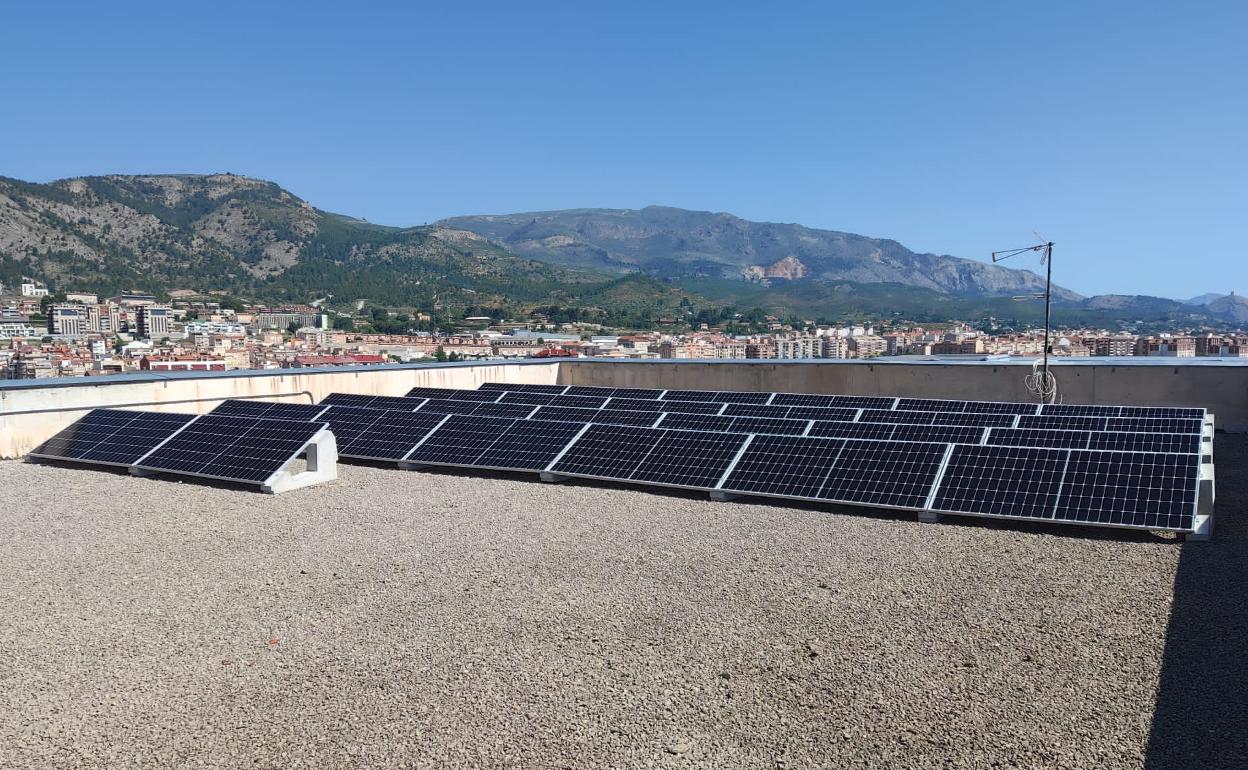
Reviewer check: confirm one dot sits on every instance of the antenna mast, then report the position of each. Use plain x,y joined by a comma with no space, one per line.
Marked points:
1046,387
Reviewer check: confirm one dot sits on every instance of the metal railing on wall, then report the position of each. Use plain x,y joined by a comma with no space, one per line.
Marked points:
52,410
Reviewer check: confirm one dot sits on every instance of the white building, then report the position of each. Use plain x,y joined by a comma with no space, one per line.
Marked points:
33,290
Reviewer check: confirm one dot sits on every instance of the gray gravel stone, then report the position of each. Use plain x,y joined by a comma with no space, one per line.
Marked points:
423,619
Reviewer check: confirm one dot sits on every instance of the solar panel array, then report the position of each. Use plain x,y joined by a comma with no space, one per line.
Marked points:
1115,466
1103,465
241,441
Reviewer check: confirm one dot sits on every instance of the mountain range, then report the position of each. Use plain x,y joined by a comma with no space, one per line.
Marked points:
255,240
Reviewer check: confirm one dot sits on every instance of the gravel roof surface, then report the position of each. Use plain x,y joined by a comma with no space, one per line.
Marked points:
413,619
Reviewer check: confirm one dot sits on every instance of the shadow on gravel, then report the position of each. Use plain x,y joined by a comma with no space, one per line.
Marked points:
1201,719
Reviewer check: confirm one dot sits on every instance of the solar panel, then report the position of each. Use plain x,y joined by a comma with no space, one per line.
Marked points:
783,466
1188,443
974,420
1039,437
484,408
607,451
718,396
865,430
590,390
948,434
459,440
1156,491
1080,410
910,418
683,407
1061,422
397,403
999,407
388,437
348,422
111,436
1162,411
930,405
245,408
769,425
459,394
1152,425
514,387
863,402
1001,481
804,399
601,416
683,458
232,448
822,413
884,473
584,402
696,422
756,410
529,445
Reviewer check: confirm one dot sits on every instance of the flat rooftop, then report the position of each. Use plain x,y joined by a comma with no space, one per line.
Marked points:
438,619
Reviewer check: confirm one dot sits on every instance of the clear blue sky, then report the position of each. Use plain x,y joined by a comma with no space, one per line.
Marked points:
1117,129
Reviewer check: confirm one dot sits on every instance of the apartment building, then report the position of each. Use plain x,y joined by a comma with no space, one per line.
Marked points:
868,346
1174,347
154,321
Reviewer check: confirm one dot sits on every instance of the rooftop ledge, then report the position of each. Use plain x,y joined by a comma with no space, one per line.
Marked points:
33,410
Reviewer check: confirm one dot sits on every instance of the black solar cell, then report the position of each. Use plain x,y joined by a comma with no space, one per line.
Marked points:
956,434
909,418
804,399
822,413
1039,437
1061,422
591,390
1162,411
975,420
772,425
1079,410
1155,425
930,405
682,407
515,387
601,416
864,430
756,410
696,422
396,403
1188,443
720,396
999,407
459,394
250,408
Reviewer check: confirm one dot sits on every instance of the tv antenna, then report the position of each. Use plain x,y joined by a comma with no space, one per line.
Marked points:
1042,382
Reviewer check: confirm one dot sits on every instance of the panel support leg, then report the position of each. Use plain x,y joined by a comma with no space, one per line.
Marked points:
930,517
723,497
552,478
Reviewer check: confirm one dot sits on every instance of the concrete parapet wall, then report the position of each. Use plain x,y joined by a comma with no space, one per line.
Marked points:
31,411
1222,389
24,424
